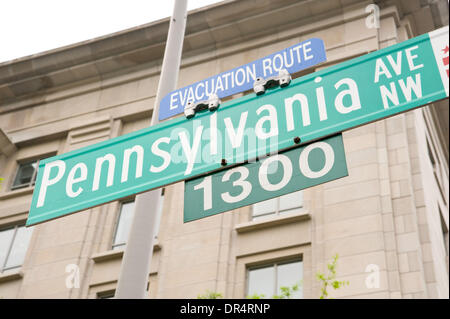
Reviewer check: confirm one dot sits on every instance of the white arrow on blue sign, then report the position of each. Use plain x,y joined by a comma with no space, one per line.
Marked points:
295,58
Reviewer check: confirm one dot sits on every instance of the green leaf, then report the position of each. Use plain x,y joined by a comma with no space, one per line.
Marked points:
210,295
255,296
335,284
329,280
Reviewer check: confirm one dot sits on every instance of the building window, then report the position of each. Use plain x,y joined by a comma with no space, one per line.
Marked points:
106,294
268,280
438,169
124,222
27,172
289,203
13,246
444,230
26,175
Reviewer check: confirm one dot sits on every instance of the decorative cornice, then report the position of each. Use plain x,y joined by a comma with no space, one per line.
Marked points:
211,31
209,28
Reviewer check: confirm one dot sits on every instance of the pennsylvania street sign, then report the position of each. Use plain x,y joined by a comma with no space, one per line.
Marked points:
274,176
359,91
295,58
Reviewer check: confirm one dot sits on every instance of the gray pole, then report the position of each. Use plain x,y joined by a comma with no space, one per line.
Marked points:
134,273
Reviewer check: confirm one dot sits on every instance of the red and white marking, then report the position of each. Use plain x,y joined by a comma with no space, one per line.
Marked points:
439,42
445,58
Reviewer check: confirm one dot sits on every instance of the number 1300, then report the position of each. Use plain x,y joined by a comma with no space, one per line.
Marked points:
246,186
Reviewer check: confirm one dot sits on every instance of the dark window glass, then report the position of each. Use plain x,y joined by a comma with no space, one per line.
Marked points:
26,175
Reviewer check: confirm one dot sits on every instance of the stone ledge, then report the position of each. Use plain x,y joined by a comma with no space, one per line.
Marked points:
11,275
279,220
17,192
116,254
107,255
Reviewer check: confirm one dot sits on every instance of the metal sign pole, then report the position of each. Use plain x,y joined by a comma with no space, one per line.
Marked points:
134,273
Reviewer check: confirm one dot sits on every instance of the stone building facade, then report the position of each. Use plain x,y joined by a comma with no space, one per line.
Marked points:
387,221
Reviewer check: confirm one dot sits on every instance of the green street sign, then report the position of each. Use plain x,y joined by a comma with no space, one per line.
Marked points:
273,176
359,91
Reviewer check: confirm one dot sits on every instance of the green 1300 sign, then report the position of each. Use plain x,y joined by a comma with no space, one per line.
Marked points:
270,177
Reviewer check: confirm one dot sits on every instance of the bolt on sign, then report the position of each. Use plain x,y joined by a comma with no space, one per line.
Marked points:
276,175
293,59
390,81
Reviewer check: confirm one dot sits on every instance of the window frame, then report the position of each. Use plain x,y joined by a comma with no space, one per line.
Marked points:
108,294
126,201
435,163
15,227
274,265
32,181
445,231
113,245
277,211
36,158
440,165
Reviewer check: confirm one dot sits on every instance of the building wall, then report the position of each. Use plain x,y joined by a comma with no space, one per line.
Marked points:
382,216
